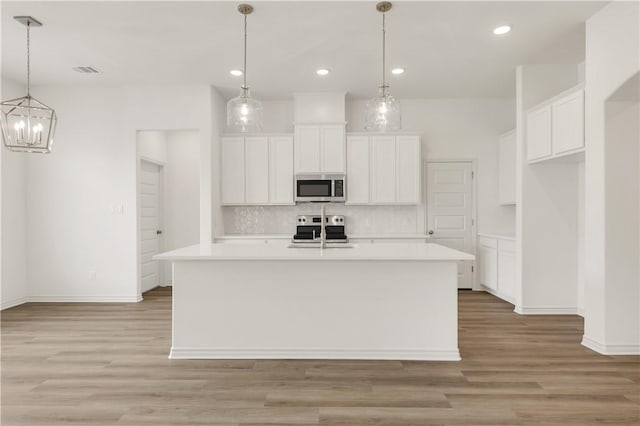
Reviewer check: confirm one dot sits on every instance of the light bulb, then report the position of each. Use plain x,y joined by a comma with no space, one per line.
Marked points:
244,109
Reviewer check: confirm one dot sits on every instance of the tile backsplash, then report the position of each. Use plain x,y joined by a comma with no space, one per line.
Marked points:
360,220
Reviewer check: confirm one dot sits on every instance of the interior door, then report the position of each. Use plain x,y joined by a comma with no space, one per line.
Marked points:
149,193
450,211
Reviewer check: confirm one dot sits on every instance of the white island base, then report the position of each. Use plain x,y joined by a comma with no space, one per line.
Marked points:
396,301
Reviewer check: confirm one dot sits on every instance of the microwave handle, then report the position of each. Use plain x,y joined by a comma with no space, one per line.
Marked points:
333,187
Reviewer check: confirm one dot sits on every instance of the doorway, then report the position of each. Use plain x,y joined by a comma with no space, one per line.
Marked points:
150,190
450,215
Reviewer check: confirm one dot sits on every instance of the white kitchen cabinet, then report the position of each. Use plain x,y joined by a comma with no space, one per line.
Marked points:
232,170
568,123
507,168
497,266
383,169
281,170
539,133
256,170
488,263
256,154
556,128
358,170
507,270
320,148
408,169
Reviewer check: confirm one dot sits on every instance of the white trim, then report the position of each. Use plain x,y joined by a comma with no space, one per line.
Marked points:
545,310
85,298
497,294
293,353
14,302
610,349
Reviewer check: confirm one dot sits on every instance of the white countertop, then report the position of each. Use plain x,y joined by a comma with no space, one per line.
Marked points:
361,251
497,236
351,237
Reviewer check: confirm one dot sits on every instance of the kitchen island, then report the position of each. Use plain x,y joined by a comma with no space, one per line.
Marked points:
369,301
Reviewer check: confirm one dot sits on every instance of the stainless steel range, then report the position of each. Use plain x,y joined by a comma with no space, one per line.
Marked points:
309,229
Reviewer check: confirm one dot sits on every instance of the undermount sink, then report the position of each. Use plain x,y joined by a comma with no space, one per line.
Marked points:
317,245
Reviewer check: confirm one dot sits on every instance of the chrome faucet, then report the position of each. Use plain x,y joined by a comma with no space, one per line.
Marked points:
323,230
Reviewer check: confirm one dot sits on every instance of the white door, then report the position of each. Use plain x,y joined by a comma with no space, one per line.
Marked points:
450,211
332,149
149,195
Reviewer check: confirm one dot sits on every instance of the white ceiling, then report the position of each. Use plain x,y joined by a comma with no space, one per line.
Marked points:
447,48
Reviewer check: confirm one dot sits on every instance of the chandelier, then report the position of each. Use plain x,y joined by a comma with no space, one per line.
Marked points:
27,124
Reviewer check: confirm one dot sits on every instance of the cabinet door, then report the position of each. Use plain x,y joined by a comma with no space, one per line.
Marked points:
256,170
307,149
383,169
358,170
507,270
539,133
507,168
232,176
408,169
488,263
568,123
281,170
332,149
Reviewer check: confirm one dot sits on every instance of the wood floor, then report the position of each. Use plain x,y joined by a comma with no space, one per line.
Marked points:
106,364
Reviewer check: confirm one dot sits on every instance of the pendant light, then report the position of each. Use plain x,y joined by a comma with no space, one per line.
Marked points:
27,124
244,114
383,111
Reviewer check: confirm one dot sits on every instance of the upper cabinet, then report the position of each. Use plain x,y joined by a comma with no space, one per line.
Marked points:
320,148
507,168
257,170
556,128
383,169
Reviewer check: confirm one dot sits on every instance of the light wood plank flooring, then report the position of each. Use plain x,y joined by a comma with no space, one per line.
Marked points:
106,364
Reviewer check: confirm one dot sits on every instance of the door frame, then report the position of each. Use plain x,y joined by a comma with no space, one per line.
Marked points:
474,207
161,165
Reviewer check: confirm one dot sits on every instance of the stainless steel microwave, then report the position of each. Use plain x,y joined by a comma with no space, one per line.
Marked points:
320,188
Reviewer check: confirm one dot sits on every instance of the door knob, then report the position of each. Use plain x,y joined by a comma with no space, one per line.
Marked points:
430,231
158,232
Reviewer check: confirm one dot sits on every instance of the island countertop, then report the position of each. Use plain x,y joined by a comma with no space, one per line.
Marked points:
360,251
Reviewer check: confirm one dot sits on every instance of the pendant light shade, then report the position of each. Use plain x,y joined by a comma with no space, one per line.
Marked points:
383,111
244,114
27,124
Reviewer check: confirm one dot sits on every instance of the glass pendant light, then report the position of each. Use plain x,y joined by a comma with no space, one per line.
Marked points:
383,111
27,124
244,114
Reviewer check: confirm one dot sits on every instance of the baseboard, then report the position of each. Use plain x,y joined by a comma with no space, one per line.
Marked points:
498,295
545,310
610,349
84,299
15,302
376,354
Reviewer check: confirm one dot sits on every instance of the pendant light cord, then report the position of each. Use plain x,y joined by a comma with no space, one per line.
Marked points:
28,59
384,52
244,72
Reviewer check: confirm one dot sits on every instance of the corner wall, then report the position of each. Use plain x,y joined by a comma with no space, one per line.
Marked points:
612,313
13,217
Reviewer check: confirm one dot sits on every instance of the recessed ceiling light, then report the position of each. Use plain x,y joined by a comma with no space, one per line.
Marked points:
322,71
397,71
503,29
236,73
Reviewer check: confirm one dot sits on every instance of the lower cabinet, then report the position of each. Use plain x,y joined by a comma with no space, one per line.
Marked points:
496,262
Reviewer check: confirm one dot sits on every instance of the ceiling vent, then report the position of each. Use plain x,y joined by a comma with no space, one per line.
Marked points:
86,70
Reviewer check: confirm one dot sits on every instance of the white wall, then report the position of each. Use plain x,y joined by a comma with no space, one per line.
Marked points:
450,129
13,217
74,196
612,58
152,145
